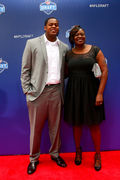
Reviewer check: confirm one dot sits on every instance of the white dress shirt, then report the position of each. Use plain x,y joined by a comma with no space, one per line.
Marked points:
53,61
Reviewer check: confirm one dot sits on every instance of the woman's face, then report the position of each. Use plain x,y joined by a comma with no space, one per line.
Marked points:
79,37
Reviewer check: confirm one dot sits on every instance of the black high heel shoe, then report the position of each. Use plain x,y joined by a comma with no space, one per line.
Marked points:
97,163
78,157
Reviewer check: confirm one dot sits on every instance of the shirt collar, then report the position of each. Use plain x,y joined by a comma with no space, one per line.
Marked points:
57,42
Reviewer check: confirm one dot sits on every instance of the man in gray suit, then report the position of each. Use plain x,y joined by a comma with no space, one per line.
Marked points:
42,79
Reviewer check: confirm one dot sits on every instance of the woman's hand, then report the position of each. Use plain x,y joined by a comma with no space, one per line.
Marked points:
99,100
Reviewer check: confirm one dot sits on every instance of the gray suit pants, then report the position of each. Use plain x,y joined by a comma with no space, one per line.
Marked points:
47,106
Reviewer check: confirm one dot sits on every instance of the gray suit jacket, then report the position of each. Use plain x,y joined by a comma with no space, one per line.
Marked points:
34,71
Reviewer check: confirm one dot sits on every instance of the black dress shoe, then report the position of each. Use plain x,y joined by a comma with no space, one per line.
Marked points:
97,163
59,161
78,157
32,167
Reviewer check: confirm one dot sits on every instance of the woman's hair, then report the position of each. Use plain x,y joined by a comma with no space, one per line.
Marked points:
73,31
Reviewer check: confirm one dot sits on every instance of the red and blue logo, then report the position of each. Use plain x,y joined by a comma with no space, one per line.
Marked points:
3,65
2,9
48,7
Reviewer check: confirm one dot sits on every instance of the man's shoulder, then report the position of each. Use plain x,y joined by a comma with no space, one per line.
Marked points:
63,44
36,39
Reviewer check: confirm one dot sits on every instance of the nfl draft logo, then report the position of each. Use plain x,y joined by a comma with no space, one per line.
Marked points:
2,9
3,65
67,34
48,7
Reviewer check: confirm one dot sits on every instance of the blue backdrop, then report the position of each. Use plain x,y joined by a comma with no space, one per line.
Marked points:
23,19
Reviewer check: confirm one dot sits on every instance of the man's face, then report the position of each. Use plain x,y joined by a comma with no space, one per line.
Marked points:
52,28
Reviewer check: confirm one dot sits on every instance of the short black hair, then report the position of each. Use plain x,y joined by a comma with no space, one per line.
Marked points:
73,31
46,21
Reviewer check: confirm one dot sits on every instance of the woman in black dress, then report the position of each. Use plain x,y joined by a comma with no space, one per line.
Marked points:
84,92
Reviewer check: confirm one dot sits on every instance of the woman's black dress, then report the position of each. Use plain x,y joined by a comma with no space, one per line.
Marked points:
82,89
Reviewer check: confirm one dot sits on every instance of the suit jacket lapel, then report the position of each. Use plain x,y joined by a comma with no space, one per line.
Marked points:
43,46
60,53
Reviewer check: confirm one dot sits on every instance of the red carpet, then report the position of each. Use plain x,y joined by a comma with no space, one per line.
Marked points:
14,167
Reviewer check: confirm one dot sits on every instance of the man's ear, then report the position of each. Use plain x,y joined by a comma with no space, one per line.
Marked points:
45,28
